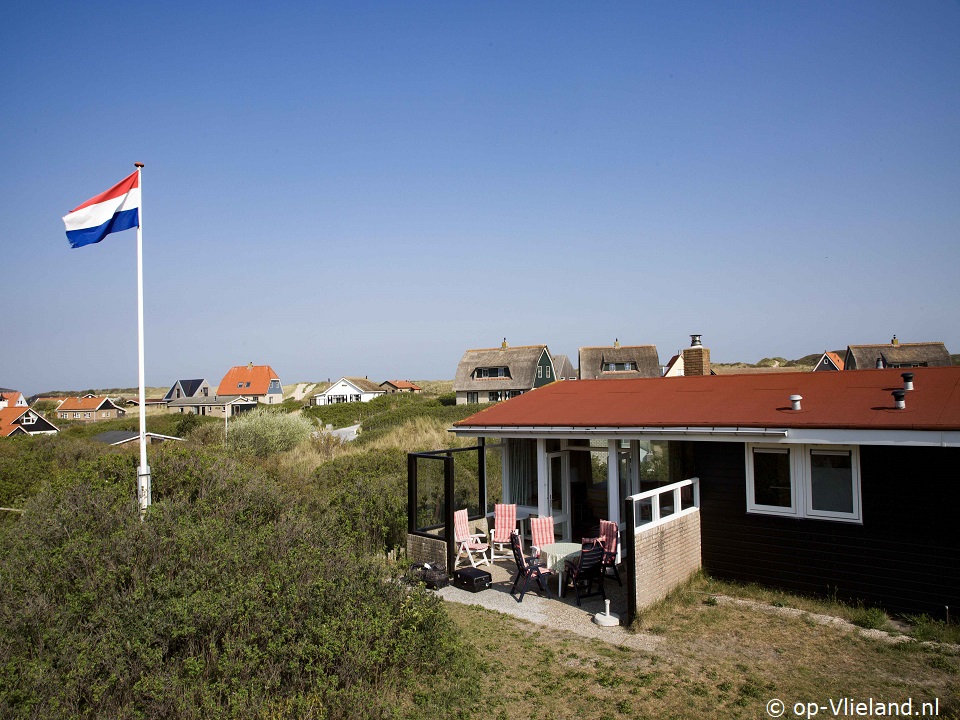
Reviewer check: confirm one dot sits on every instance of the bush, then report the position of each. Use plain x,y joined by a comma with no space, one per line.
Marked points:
263,432
228,600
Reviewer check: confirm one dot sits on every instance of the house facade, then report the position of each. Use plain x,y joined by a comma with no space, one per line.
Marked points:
896,355
89,408
564,369
494,374
619,362
259,382
19,420
12,399
188,389
829,362
216,406
349,389
828,483
393,387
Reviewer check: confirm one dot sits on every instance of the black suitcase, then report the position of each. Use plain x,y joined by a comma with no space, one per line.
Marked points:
472,579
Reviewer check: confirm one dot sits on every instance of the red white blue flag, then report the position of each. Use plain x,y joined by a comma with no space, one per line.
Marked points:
112,211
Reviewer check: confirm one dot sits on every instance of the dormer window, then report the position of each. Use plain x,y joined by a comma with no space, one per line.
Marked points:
491,372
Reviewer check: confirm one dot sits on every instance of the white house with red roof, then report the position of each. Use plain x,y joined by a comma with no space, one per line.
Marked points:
259,382
12,399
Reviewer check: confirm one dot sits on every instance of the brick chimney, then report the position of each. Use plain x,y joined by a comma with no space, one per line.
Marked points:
696,358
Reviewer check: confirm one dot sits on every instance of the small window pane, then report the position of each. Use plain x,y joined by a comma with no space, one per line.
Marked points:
771,478
831,481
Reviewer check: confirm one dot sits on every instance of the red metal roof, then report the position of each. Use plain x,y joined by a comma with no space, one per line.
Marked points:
843,400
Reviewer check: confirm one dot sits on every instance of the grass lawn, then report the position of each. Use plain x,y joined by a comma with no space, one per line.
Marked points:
693,658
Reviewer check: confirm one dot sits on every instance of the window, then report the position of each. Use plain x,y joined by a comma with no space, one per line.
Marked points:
491,372
28,419
812,481
473,397
495,396
619,367
769,488
539,371
832,487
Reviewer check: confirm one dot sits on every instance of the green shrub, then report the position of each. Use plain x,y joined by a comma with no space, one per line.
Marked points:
262,432
872,618
228,600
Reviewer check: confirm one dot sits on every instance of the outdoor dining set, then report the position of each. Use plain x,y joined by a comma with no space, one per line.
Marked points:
583,565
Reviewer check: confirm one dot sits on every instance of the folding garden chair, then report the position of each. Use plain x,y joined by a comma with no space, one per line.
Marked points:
468,542
587,570
541,533
527,568
610,535
504,524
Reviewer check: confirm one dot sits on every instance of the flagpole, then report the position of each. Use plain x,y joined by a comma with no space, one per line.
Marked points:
143,472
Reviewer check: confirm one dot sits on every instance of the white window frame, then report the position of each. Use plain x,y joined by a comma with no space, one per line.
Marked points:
752,505
857,513
801,476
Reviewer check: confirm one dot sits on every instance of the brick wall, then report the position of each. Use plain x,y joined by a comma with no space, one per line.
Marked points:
426,550
696,360
666,557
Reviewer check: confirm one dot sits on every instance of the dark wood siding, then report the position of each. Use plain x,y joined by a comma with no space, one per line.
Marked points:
905,556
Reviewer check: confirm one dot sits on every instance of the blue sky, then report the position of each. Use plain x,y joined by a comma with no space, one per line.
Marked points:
372,188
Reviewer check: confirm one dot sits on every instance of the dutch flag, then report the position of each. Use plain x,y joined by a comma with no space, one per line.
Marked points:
112,211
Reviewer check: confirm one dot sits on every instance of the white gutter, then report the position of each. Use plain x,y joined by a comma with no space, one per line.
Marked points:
826,436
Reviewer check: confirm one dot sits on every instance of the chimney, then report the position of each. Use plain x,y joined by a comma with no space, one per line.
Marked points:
795,401
616,342
898,399
503,345
907,381
250,365
895,342
696,358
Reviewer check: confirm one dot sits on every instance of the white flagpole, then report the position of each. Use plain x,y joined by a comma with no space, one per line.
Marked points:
143,472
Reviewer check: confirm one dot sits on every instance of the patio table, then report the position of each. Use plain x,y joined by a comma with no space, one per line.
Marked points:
555,555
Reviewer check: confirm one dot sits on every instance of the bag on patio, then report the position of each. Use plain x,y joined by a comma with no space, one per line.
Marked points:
433,576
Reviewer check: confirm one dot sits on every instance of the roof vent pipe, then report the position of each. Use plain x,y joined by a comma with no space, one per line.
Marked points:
795,402
898,399
907,381
695,341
